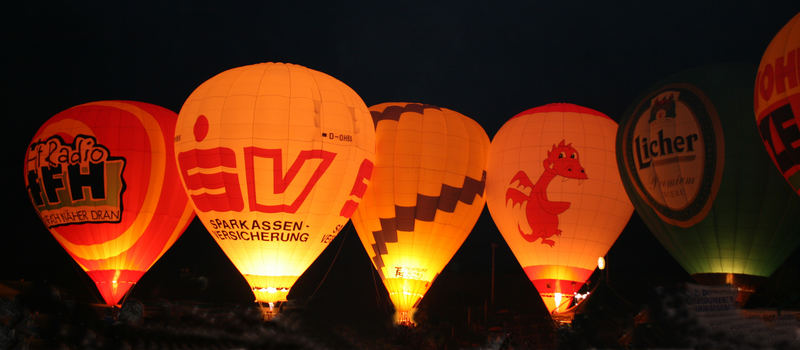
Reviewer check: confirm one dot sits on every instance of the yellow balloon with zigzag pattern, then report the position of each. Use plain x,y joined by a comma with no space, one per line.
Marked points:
425,196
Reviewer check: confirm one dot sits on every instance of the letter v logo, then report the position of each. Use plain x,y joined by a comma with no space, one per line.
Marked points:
288,191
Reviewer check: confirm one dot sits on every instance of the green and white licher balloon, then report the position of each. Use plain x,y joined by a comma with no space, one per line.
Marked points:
692,163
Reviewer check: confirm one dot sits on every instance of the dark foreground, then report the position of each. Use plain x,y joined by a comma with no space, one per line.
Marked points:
38,317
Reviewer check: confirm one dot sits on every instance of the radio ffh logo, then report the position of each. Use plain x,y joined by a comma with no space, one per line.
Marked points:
73,183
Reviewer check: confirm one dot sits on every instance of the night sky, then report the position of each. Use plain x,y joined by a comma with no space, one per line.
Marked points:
487,60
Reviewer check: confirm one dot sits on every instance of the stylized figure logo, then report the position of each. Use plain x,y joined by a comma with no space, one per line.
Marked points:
541,213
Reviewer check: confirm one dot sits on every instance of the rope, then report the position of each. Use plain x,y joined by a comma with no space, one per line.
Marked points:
324,277
378,298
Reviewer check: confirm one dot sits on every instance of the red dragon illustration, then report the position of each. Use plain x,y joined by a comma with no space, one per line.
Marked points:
541,213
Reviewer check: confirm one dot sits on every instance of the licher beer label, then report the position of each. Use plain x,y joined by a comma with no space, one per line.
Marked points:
75,183
674,153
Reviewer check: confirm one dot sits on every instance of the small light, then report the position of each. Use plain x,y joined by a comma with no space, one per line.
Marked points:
579,296
601,263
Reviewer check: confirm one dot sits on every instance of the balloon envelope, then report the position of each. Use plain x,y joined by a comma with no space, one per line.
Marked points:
777,102
275,158
425,196
102,178
554,192
699,177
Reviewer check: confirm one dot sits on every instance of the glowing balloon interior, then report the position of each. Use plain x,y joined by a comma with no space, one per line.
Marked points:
555,194
425,196
275,158
777,101
102,178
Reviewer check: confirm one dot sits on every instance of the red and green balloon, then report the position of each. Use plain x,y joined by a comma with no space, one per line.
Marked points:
777,101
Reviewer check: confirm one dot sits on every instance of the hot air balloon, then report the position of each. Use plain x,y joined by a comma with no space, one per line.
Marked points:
102,178
777,101
275,158
555,194
695,170
425,196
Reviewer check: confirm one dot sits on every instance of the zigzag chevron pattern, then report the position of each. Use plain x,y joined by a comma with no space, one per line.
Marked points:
394,112
425,210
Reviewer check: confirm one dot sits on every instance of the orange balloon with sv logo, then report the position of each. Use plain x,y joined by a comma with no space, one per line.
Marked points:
275,158
102,178
555,194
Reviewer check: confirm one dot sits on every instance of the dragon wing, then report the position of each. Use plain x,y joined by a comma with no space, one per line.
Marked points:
516,196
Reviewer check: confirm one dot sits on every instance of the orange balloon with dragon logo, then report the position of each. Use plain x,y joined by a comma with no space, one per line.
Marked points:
102,178
555,194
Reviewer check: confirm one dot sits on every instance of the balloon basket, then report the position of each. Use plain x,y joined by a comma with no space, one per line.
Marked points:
565,310
405,318
563,318
745,285
270,310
